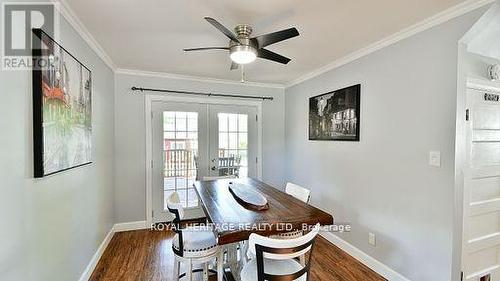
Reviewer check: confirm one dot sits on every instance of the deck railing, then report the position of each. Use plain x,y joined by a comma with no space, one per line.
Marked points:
182,163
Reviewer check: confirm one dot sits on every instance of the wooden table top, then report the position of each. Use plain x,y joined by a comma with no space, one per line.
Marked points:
228,215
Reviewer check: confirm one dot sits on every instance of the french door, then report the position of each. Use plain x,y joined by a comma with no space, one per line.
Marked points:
192,141
232,141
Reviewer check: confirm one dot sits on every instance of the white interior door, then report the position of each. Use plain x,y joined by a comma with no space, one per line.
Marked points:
233,141
194,140
481,236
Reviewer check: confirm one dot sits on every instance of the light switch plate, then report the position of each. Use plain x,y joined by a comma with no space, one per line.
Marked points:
435,158
371,239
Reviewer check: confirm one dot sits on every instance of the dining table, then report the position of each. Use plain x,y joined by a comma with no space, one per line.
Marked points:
233,222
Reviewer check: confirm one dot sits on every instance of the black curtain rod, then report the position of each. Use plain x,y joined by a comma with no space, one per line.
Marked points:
199,93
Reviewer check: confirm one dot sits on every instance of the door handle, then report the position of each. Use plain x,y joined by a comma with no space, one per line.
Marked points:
213,168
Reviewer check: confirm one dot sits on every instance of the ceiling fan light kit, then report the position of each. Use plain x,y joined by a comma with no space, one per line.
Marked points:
243,54
243,49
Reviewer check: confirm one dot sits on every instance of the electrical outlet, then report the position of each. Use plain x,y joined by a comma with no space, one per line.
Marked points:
371,239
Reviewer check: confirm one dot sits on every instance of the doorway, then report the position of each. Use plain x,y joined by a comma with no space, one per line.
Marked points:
191,140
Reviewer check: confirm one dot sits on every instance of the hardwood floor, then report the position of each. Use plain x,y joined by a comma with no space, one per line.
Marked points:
145,255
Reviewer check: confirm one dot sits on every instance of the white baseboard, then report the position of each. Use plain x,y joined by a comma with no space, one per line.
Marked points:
127,226
97,256
364,258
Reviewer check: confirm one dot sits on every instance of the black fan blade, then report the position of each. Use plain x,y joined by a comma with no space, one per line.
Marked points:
275,37
234,66
222,29
268,55
206,48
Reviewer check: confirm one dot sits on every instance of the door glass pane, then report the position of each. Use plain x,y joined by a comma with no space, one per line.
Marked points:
223,122
233,144
169,121
233,140
242,141
180,143
242,123
233,122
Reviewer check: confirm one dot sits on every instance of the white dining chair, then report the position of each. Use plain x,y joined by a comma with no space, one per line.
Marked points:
212,178
193,245
302,194
298,192
274,259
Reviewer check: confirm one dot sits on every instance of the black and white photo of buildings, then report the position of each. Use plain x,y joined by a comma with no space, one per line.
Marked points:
335,115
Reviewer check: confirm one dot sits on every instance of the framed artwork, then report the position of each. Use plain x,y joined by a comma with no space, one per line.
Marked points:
335,115
62,108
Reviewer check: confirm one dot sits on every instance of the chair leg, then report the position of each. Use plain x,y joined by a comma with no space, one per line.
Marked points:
205,271
189,270
302,260
220,266
177,265
243,251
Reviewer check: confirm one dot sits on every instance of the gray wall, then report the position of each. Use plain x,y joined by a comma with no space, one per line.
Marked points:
130,147
383,184
50,228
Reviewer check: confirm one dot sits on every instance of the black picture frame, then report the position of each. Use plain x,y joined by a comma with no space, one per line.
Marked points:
336,115
40,62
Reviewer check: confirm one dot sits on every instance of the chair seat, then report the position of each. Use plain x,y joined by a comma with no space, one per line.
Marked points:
197,243
275,267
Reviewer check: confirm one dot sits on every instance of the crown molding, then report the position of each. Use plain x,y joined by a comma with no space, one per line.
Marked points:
195,78
80,28
424,25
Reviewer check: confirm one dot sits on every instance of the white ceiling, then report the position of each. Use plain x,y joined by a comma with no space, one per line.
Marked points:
149,35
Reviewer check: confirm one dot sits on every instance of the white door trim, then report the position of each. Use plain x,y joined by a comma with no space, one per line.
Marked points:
148,101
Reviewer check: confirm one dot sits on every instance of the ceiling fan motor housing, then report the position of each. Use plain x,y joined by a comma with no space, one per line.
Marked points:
243,32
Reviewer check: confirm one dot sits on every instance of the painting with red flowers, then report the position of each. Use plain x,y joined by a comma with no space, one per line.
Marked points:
62,108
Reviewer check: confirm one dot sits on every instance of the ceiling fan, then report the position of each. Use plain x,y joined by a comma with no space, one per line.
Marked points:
243,49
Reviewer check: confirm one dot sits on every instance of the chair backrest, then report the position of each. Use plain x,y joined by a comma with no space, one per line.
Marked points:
298,192
174,206
263,247
208,178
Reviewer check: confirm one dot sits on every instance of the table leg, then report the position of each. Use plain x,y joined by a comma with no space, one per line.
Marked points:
220,266
228,276
243,253
232,257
